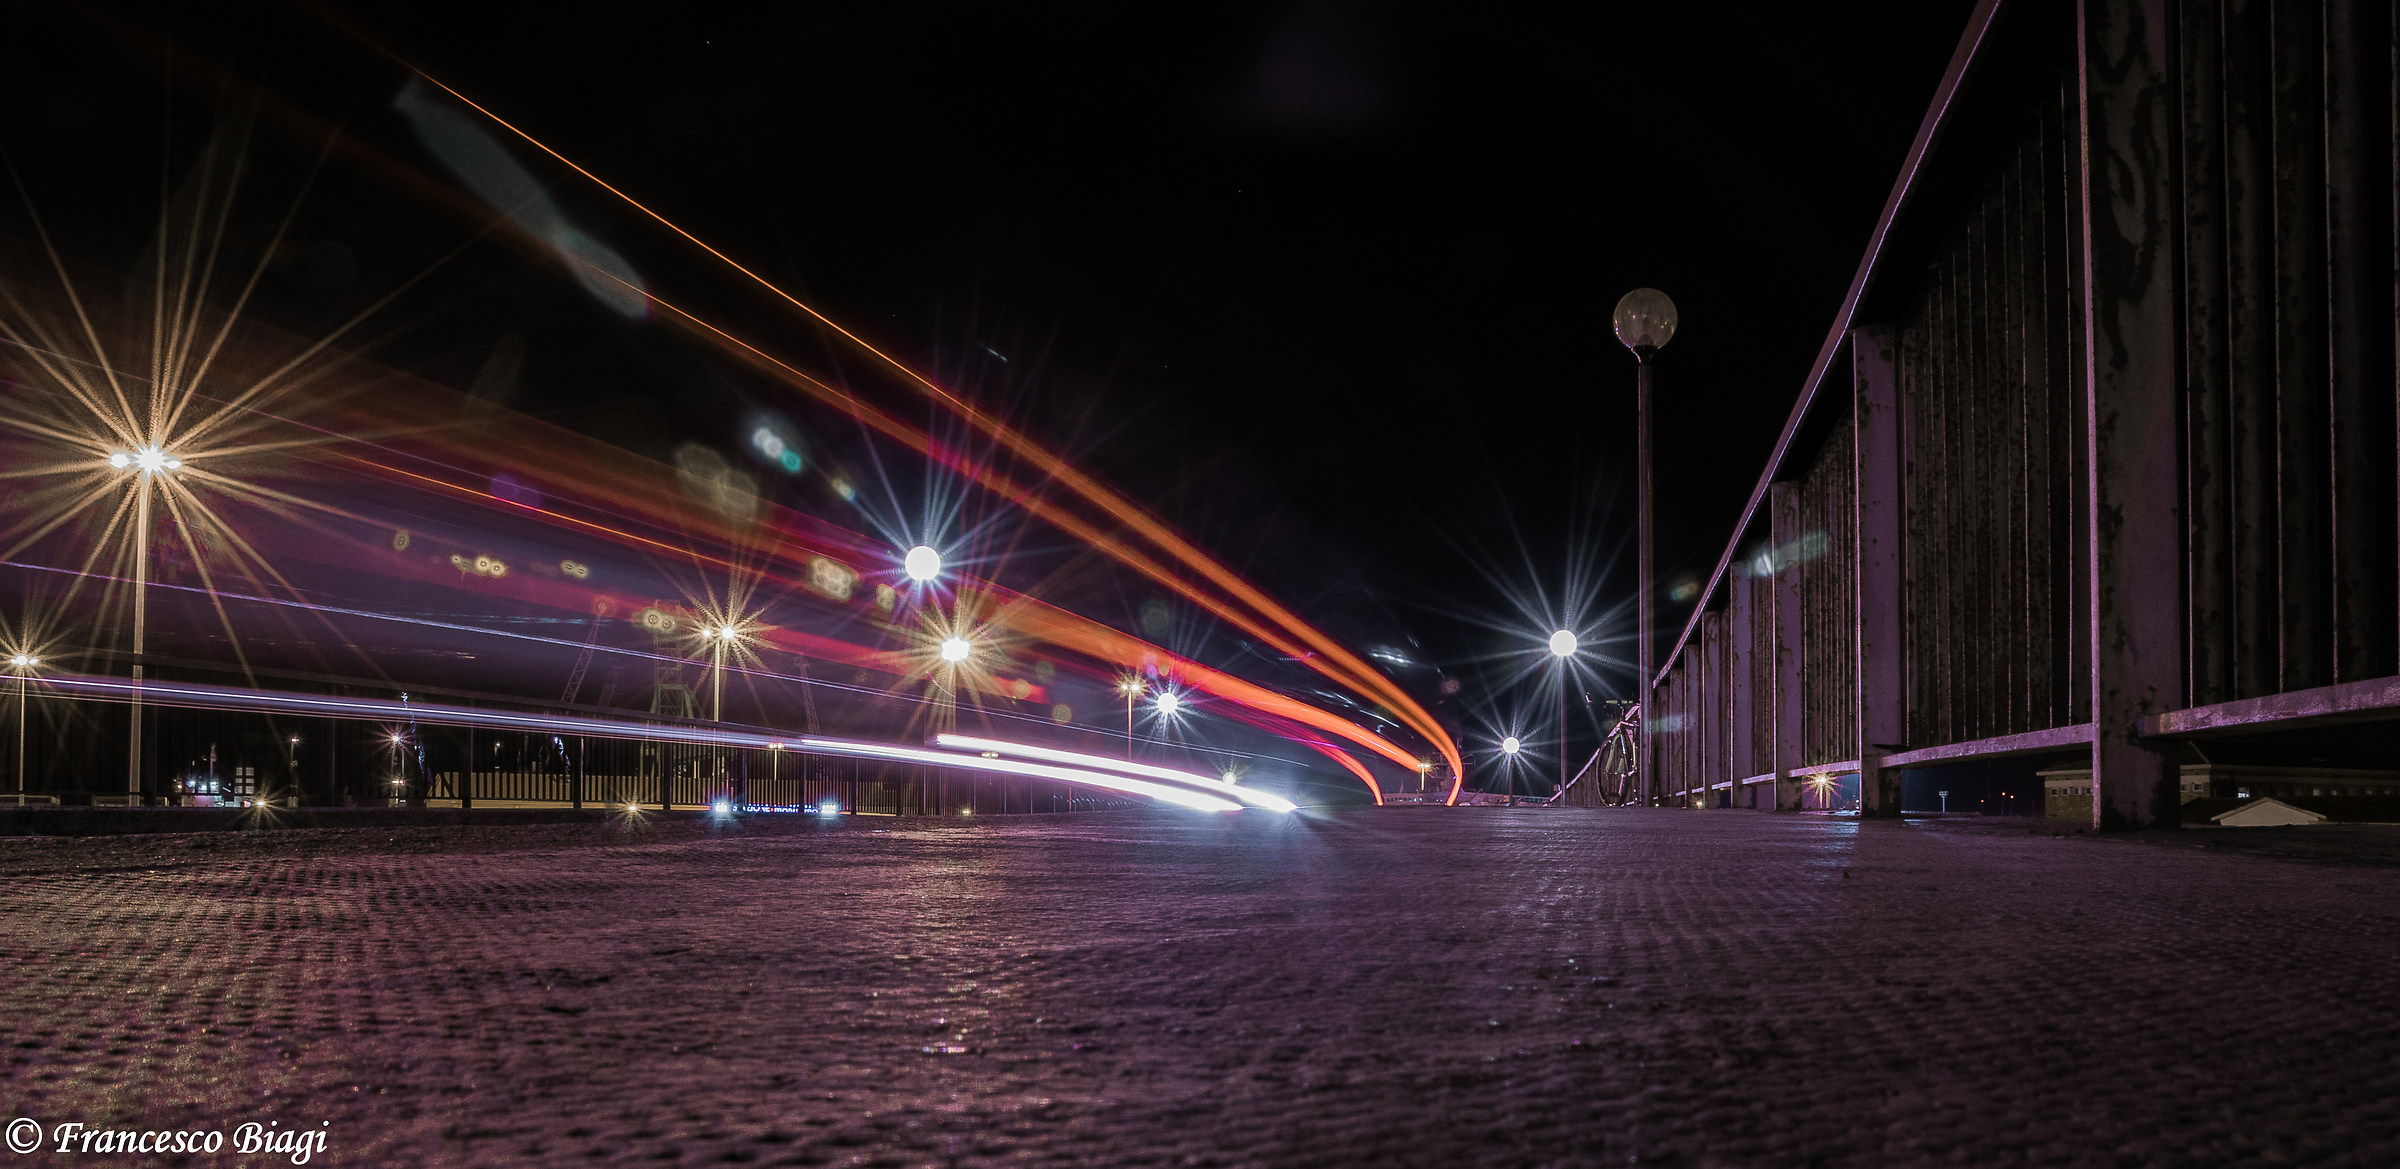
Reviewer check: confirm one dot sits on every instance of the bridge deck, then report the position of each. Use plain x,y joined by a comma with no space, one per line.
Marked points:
1132,988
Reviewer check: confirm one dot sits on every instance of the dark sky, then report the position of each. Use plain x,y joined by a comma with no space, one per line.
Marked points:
1325,283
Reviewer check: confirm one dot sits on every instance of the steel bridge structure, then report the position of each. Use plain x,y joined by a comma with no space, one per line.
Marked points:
2095,469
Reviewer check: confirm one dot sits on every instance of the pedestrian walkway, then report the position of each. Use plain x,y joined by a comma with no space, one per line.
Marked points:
1422,986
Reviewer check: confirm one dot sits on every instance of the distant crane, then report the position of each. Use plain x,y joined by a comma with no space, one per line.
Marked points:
583,662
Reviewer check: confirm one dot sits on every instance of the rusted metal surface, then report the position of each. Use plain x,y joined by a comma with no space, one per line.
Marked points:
2286,196
2343,702
1991,461
2048,741
1785,702
1825,556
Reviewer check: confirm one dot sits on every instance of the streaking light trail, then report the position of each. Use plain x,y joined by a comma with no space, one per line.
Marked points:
1157,791
1329,658
200,696
1250,796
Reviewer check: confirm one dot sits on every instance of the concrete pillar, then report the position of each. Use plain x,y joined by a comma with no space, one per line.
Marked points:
2129,100
1783,527
1875,467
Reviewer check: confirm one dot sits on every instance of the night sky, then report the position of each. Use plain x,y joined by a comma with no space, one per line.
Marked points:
1325,284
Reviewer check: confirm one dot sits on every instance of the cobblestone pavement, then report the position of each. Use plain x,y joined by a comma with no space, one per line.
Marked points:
1507,987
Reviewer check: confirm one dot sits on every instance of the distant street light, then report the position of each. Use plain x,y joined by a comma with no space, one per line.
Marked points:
922,563
719,639
148,462
1645,321
21,664
1169,703
1510,745
1131,687
956,649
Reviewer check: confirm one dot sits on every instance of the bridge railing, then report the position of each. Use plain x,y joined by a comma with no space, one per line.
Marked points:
2098,451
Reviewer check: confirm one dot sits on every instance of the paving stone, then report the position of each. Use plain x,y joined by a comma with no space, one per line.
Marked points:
1505,987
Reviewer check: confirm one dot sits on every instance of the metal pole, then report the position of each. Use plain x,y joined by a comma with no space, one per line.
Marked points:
141,613
20,735
1644,618
1562,724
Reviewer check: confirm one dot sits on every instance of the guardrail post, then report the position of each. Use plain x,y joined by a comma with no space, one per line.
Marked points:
2128,102
1783,527
1875,466
1742,702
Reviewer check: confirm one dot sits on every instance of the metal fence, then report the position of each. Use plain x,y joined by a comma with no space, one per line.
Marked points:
2099,456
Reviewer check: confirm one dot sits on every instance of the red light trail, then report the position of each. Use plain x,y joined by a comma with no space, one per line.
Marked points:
1336,662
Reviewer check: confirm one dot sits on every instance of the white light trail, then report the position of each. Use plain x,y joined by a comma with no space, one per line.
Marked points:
1253,797
201,696
1156,791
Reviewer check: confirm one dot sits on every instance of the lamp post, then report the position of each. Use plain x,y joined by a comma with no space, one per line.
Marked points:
146,463
21,664
1131,687
1645,321
718,639
1562,647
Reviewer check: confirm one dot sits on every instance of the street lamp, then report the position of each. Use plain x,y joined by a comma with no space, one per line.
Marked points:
1131,687
1169,703
956,650
922,563
1645,321
148,462
719,639
1511,745
23,664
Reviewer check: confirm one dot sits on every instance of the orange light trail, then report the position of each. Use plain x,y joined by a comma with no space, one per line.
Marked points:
1352,672
1020,614
1073,525
1055,626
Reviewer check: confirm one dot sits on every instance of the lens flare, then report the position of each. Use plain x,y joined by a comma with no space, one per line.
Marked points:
1324,655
